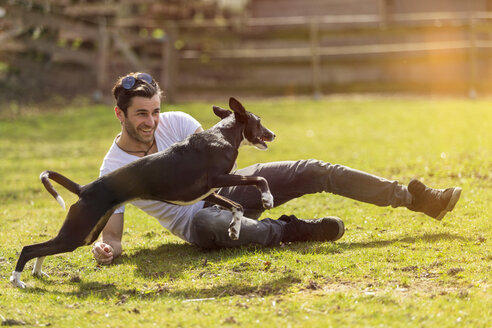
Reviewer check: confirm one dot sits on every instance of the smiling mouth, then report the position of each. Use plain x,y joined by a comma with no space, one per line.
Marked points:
147,131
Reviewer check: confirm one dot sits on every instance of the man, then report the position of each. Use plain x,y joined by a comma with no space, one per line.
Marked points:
144,131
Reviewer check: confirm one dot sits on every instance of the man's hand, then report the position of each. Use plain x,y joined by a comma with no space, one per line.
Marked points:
103,253
109,248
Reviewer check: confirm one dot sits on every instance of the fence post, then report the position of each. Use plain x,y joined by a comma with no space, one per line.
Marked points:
472,91
315,56
383,14
102,59
170,63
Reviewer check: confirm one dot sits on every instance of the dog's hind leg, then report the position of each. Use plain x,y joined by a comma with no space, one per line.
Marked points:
36,270
56,245
235,225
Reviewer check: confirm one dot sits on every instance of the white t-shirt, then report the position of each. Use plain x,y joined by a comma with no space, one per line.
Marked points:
173,127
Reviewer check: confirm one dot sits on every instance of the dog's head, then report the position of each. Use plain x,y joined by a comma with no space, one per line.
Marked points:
254,132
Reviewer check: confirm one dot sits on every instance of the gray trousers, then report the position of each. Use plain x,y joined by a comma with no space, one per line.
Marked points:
288,180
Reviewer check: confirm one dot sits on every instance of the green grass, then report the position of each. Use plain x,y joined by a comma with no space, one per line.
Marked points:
393,267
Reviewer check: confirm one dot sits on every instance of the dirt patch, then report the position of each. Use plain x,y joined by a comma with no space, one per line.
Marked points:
428,287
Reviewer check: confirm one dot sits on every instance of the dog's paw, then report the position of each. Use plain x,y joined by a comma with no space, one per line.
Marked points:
233,234
36,270
40,274
234,228
267,200
235,225
15,280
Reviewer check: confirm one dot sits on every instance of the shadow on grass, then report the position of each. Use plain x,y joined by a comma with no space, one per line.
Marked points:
429,238
172,260
276,286
169,259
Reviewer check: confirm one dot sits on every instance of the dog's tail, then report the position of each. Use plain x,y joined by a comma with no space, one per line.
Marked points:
64,181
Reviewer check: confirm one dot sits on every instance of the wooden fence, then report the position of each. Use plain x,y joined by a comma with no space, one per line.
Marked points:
425,52
444,48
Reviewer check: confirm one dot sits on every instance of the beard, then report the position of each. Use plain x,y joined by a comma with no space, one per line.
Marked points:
132,131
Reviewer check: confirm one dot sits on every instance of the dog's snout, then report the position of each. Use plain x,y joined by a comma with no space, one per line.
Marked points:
270,136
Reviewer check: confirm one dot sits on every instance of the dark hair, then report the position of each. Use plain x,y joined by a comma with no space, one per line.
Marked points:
141,88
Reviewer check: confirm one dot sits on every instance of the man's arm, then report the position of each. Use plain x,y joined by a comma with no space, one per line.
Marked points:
109,248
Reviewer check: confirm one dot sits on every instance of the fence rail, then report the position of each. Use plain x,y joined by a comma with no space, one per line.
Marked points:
313,51
117,42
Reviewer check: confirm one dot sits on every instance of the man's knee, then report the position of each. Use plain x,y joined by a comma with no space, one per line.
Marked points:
204,227
312,173
313,166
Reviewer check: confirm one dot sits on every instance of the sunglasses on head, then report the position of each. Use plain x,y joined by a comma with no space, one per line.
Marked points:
129,81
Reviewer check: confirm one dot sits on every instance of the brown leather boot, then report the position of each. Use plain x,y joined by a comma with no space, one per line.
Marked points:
433,202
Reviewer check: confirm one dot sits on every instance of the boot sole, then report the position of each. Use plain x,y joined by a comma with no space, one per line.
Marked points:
452,202
341,229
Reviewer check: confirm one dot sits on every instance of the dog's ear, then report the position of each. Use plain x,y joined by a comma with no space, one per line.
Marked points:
238,109
221,112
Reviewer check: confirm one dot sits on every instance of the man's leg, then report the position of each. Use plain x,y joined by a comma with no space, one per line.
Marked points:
209,230
292,179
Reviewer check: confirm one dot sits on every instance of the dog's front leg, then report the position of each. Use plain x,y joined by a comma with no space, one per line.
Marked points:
267,199
235,208
227,180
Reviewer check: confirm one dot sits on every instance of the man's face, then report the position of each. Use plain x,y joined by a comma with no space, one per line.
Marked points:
142,118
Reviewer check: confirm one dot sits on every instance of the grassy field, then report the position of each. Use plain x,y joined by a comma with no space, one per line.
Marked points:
393,267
